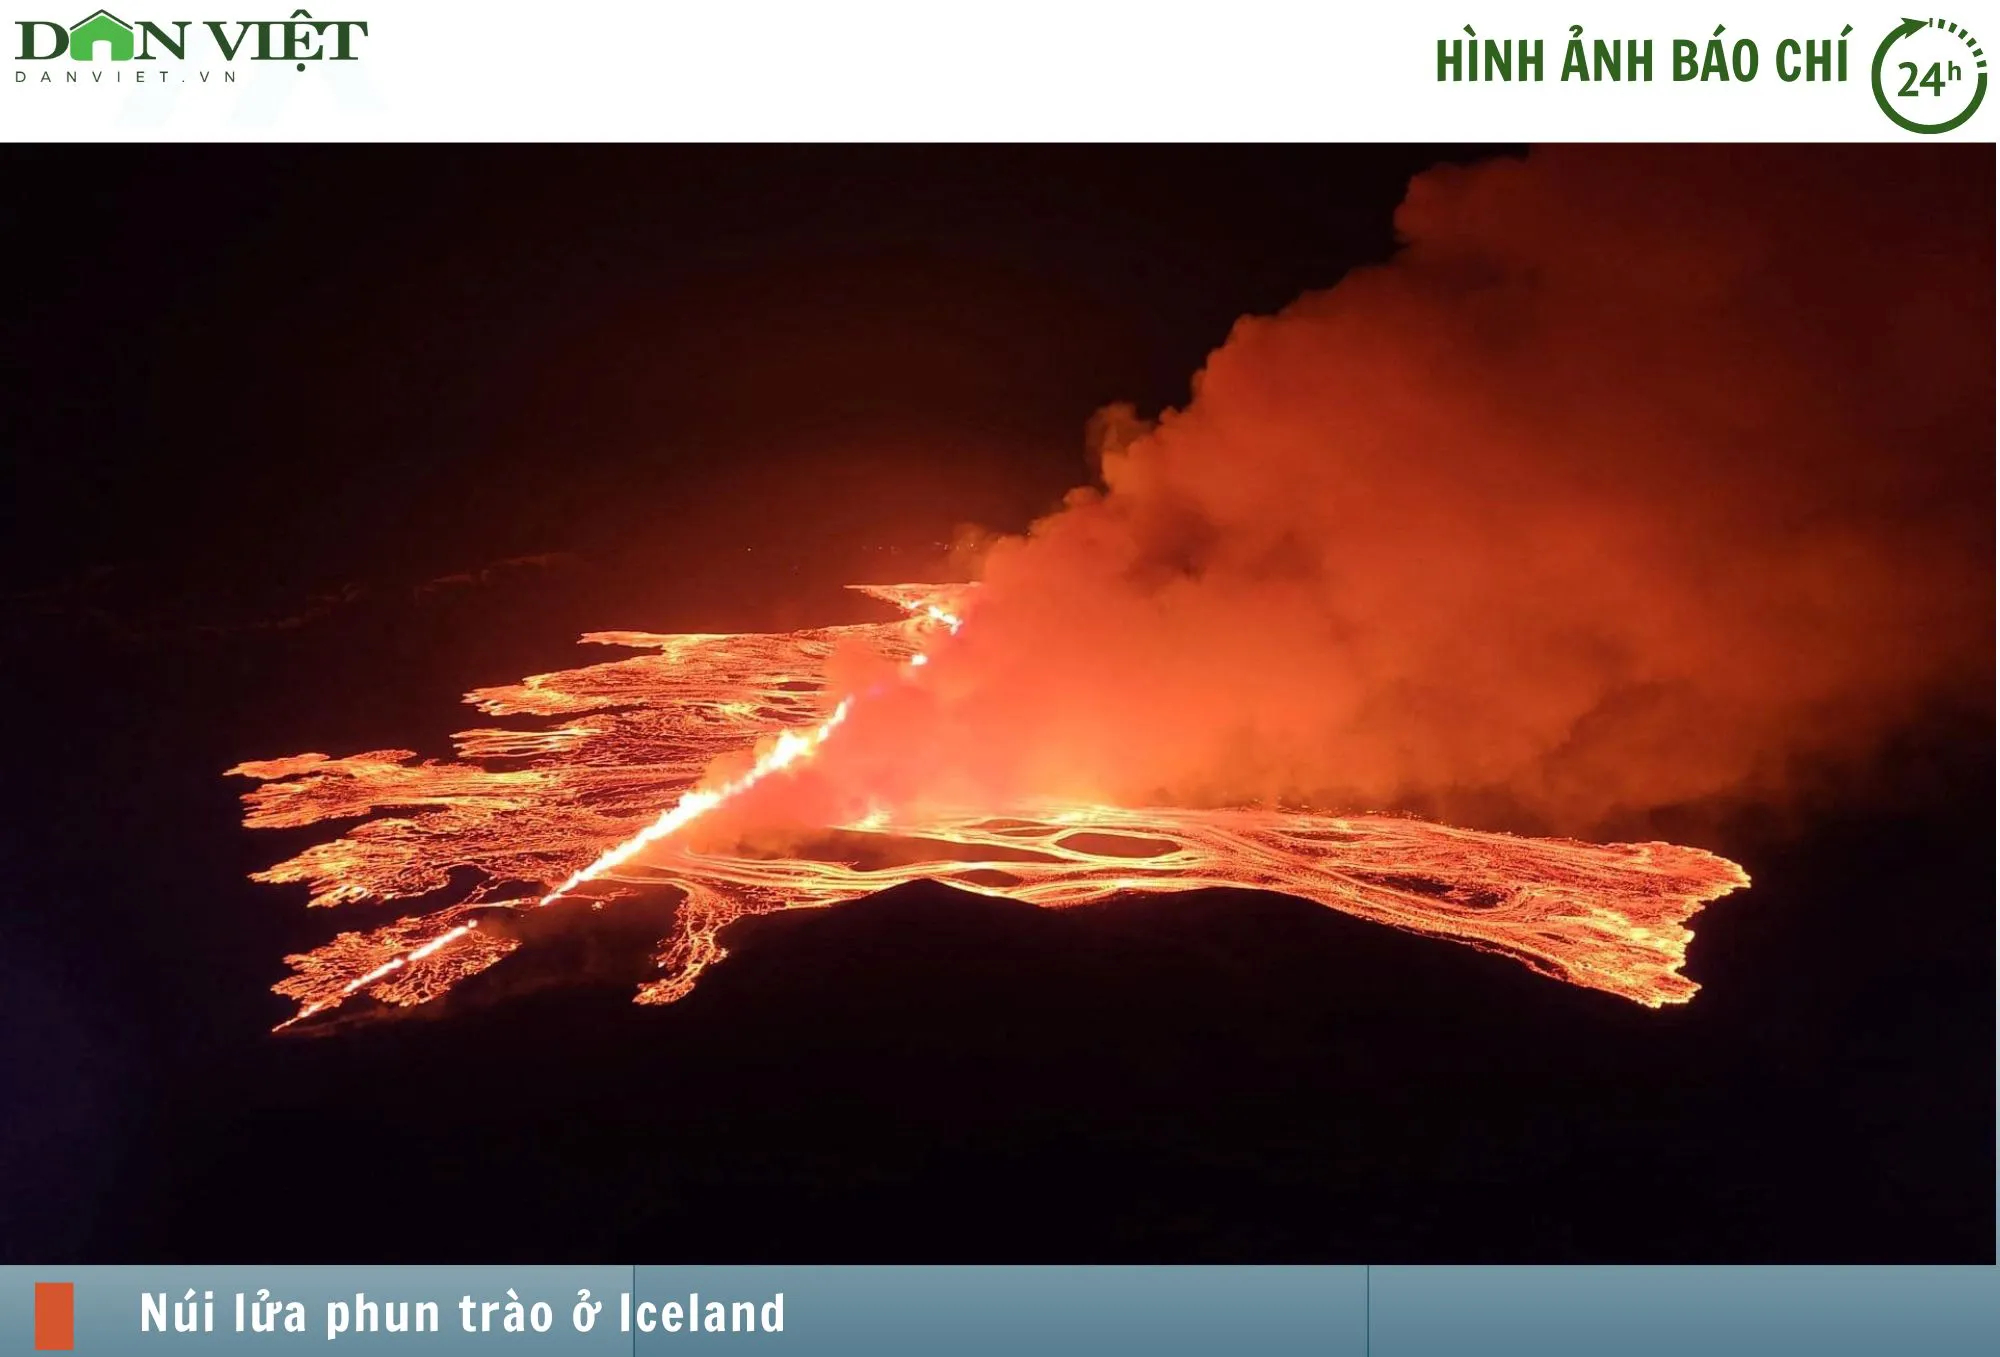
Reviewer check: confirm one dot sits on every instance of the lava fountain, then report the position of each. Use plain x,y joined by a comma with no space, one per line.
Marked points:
572,809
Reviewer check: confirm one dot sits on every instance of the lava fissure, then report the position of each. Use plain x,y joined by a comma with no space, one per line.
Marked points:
639,733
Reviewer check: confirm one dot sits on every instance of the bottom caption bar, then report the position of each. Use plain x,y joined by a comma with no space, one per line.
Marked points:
1050,1311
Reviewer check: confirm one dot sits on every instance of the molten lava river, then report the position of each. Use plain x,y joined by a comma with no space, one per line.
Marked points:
590,806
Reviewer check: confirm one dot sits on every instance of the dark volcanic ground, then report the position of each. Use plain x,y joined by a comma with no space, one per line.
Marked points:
930,1076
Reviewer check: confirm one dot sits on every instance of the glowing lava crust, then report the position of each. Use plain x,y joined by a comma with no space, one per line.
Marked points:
574,809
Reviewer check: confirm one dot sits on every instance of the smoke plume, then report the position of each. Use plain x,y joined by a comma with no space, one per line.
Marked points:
1636,476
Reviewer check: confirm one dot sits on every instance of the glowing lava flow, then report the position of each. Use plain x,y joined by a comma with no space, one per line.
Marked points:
789,749
791,746
520,809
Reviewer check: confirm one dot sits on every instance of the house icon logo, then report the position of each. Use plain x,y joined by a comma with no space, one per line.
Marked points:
102,27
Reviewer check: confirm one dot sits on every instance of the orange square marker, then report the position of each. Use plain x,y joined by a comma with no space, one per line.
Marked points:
55,1316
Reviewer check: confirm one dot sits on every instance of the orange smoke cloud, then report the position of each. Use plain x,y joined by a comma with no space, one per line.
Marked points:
1636,475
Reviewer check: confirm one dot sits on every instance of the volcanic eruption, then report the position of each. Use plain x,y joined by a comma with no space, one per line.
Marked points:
1618,488
638,733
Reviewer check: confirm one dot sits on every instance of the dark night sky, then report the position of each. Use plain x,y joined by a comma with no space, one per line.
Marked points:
256,398
408,361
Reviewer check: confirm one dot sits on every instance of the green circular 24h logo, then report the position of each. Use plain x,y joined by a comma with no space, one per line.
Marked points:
1936,78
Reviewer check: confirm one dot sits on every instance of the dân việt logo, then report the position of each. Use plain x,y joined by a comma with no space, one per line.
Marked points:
298,39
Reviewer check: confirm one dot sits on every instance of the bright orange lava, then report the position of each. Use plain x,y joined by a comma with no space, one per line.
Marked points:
574,808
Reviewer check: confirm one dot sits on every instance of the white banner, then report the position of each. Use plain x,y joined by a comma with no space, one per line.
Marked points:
973,70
